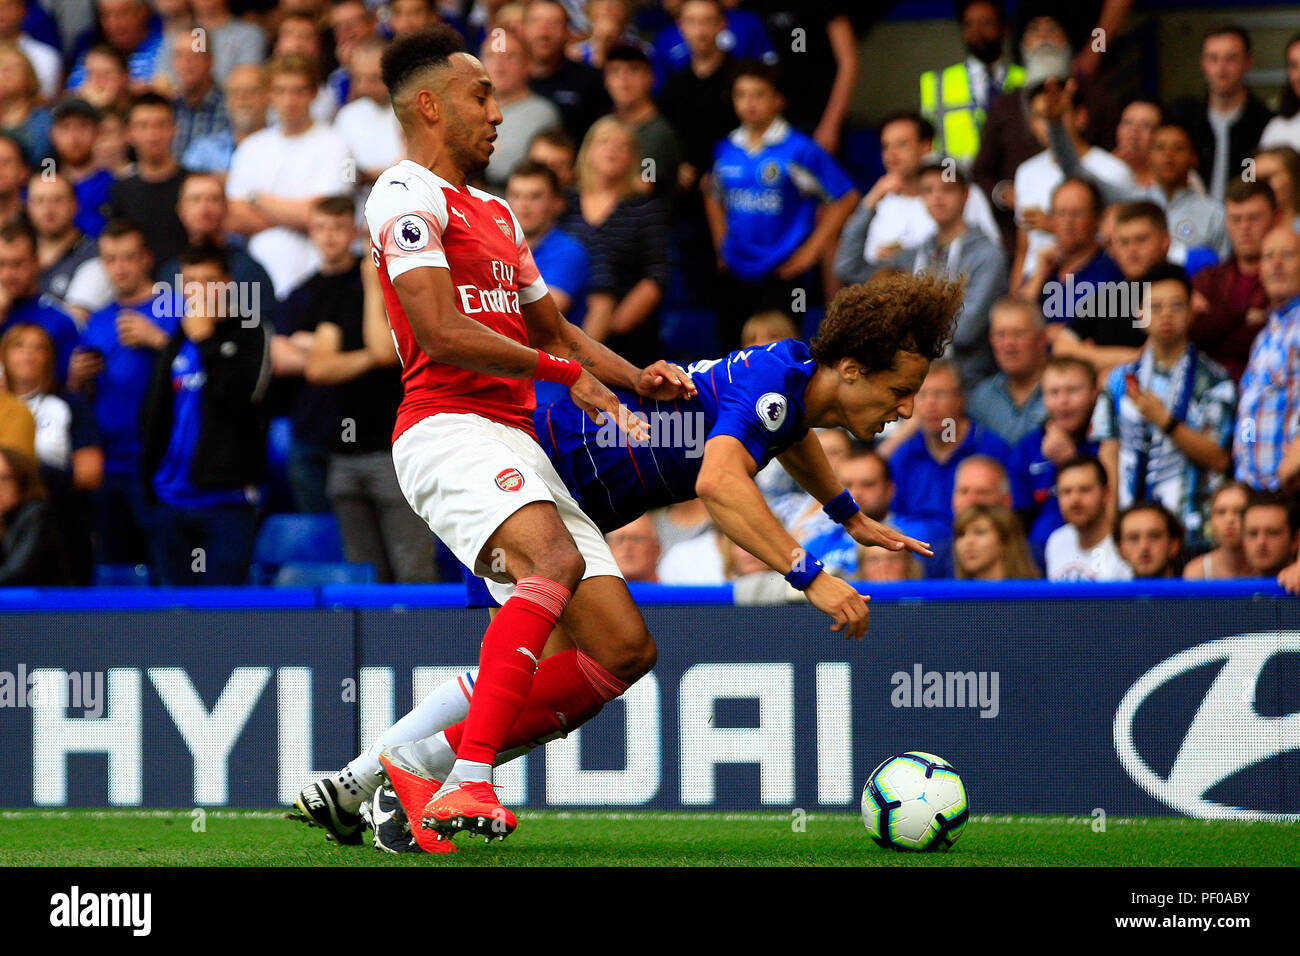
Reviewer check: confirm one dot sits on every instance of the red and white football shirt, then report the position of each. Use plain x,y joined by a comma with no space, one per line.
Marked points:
418,219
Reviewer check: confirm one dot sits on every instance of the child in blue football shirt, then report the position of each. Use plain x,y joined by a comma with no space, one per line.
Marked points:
768,182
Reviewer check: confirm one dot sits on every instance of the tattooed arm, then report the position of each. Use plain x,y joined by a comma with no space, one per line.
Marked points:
446,335
552,332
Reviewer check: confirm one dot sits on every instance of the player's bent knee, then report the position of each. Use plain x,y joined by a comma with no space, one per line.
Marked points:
563,564
634,655
648,657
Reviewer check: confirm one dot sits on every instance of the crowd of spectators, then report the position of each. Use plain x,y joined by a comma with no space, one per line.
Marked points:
193,336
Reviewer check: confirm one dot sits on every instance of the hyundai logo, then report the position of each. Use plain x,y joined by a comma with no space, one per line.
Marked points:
1226,735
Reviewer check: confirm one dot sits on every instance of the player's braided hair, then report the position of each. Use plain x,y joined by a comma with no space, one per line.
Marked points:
410,55
894,312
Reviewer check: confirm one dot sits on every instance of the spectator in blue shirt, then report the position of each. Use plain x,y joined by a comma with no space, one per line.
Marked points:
72,137
20,297
744,37
926,464
1069,386
1069,281
200,108
39,24
533,192
868,479
246,99
113,365
204,435
130,27
1010,401
769,181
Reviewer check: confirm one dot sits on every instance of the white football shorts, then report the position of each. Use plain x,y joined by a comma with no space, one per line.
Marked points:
465,475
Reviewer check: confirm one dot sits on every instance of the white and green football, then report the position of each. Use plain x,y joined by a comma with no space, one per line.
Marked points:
915,801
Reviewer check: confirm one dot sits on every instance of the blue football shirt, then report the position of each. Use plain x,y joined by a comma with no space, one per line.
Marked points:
754,395
771,196
121,387
564,263
172,482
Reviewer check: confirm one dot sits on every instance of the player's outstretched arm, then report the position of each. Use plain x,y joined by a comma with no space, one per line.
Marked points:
550,331
807,464
726,486
446,335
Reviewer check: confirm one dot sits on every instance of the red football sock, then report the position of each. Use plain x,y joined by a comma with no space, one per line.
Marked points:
507,662
569,689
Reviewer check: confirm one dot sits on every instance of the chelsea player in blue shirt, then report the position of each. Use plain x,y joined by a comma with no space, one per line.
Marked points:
862,370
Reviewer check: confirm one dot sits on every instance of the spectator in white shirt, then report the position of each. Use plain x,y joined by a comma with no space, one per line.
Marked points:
279,173
892,217
1082,549
696,560
1150,539
635,547
1037,178
298,34
368,124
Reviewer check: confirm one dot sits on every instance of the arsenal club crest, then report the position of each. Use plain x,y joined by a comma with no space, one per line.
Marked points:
510,480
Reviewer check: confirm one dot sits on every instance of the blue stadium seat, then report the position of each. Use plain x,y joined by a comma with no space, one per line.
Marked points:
292,537
310,574
121,575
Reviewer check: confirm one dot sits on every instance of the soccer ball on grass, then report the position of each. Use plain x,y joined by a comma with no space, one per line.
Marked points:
915,801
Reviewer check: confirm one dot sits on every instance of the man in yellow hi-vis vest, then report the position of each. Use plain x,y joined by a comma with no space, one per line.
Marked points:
955,99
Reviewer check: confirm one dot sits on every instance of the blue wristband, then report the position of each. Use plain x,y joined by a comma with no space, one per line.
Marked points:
841,508
805,571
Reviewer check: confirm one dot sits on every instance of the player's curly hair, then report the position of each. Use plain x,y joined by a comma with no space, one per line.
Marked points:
896,312
410,55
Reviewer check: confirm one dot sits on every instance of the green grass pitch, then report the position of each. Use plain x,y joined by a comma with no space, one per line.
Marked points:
267,838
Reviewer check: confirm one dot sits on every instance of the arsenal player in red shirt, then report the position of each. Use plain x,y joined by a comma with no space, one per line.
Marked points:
474,326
